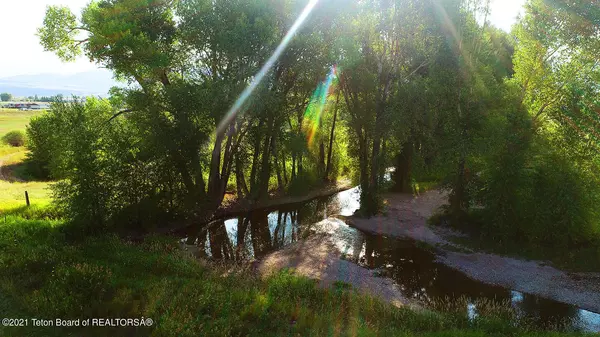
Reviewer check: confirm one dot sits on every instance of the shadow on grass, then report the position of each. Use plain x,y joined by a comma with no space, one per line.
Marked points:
18,172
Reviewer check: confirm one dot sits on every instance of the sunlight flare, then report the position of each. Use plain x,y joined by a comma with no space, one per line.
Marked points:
232,113
317,104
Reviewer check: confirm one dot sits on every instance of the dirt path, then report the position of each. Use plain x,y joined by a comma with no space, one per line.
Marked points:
405,216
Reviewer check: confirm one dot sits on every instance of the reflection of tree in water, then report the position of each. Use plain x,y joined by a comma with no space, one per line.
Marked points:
241,249
542,312
279,239
401,261
220,245
261,236
196,241
412,267
253,236
417,274
415,271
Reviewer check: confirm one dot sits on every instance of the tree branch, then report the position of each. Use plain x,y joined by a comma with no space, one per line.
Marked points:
118,114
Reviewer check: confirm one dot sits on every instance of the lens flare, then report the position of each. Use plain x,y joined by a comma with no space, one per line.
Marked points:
317,104
232,113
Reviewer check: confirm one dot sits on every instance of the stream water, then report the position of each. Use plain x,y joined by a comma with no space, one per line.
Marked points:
413,268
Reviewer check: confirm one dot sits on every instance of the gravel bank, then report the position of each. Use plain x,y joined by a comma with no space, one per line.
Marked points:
406,216
318,258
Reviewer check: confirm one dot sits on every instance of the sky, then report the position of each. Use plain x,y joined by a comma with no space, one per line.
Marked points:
21,53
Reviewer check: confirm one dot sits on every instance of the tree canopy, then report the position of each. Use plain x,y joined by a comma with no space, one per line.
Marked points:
426,86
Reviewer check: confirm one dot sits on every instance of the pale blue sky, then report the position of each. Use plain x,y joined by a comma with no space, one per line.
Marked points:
21,53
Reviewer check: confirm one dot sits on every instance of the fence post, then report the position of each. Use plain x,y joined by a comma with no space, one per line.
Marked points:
27,198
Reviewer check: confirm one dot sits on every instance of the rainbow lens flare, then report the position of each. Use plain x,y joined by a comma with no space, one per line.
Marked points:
317,105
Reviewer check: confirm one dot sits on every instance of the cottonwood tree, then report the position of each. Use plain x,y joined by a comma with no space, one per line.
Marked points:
188,71
556,55
189,60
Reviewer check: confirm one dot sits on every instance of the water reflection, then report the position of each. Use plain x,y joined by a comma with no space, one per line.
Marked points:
418,275
258,233
253,235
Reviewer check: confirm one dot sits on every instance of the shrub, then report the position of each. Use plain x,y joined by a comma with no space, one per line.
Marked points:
109,178
43,157
14,138
539,194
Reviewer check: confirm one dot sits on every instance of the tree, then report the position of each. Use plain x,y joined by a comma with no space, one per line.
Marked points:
394,48
5,97
189,74
542,185
557,51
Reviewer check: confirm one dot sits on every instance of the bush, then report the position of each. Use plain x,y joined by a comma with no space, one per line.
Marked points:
108,178
539,194
14,138
43,157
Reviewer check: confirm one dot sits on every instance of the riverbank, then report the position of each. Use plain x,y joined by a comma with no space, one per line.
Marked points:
318,258
239,207
244,206
406,216
45,276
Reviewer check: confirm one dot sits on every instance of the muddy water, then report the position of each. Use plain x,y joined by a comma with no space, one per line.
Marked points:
412,267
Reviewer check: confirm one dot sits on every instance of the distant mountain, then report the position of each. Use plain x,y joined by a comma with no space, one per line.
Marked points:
96,82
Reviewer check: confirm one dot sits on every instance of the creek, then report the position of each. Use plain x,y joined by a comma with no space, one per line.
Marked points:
411,265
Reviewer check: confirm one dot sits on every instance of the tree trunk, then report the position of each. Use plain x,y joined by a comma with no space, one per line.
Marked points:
285,176
293,166
458,197
402,176
331,136
280,186
321,168
364,172
375,154
254,169
227,163
382,163
241,185
265,166
374,174
214,179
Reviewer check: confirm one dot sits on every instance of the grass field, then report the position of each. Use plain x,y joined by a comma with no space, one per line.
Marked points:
13,188
12,119
13,194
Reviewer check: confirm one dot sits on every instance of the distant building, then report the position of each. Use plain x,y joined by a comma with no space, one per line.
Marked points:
39,106
28,106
